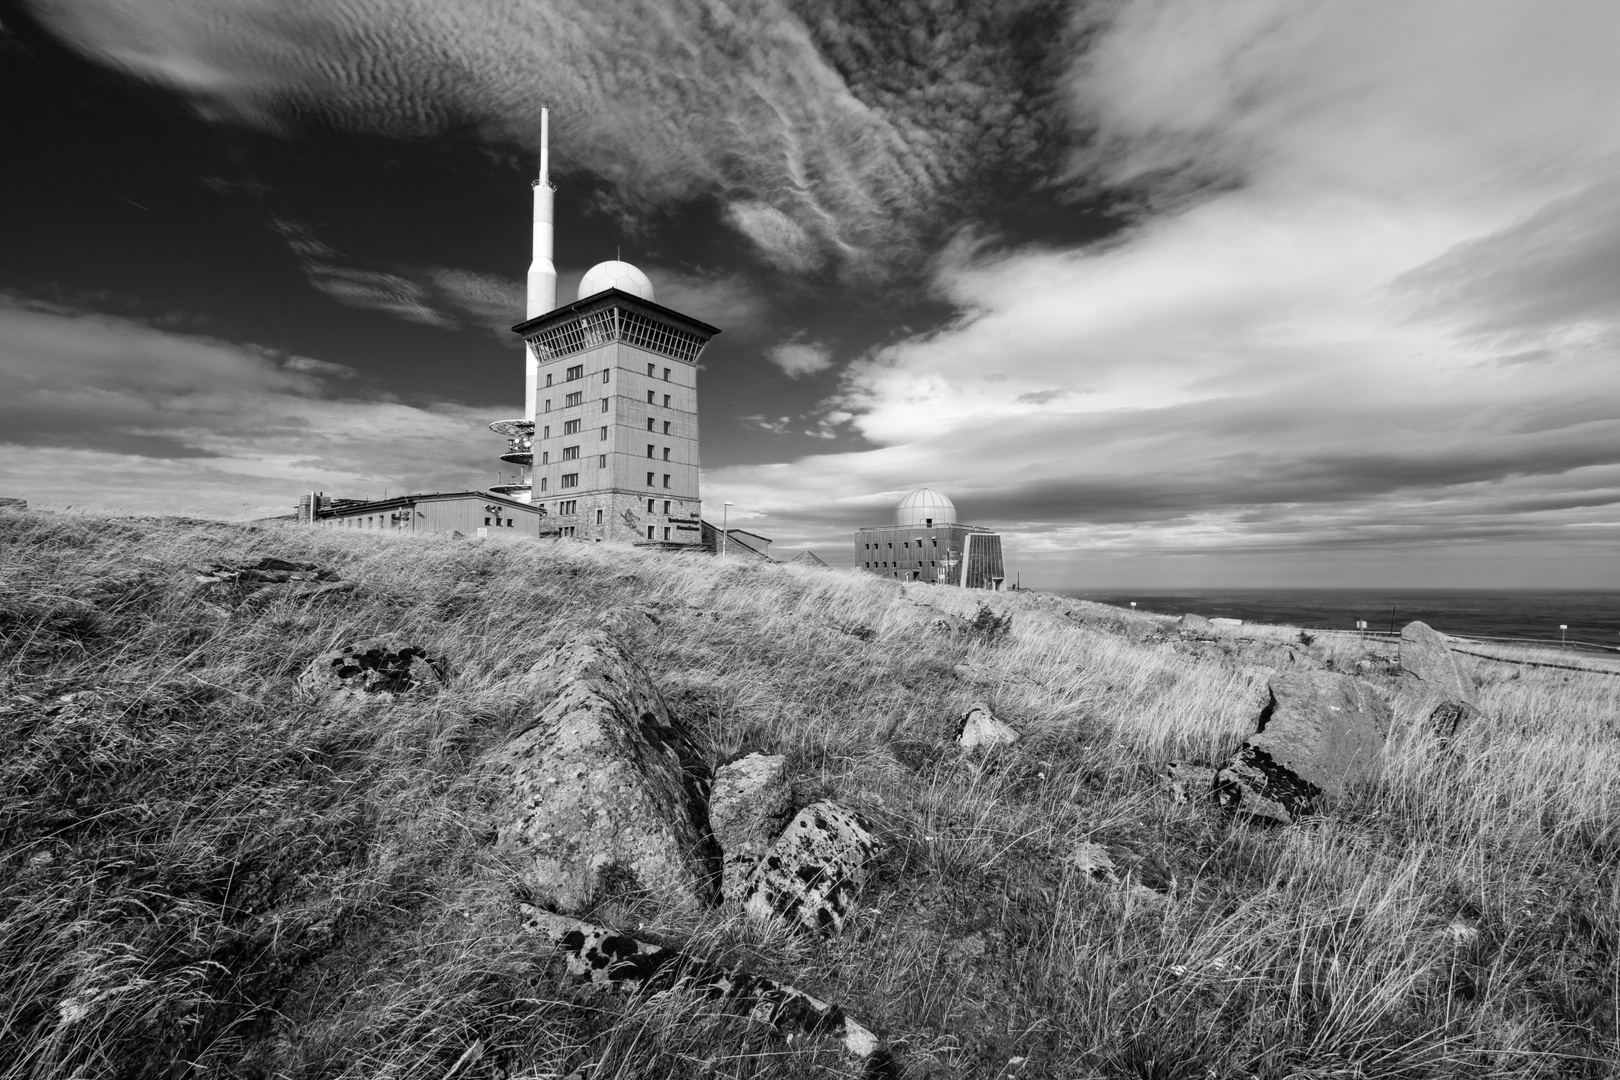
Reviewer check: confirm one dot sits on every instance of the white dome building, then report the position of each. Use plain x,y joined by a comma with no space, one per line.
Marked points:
927,543
925,507
614,274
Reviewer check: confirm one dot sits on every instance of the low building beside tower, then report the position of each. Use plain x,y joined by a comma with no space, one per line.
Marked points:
926,543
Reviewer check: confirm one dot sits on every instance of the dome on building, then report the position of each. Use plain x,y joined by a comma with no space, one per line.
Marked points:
925,506
614,274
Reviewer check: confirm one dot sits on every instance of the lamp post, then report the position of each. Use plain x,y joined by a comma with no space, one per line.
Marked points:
1563,632
725,532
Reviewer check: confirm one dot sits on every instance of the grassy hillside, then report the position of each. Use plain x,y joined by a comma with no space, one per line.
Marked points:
201,874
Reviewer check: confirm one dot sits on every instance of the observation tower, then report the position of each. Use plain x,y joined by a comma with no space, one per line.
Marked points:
608,442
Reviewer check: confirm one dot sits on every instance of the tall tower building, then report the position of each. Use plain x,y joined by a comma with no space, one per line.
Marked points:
609,438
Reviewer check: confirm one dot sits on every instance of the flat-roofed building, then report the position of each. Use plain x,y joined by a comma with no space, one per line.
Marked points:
927,543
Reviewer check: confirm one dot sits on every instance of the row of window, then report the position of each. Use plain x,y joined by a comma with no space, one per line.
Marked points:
508,522
903,543
874,565
651,508
650,480
650,535
650,449
578,398
578,372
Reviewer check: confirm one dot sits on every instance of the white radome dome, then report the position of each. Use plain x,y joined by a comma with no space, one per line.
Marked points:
925,506
614,274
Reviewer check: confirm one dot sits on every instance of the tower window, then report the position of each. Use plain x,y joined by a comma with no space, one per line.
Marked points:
649,399
666,374
569,506
649,449
573,399
547,435
604,434
649,423
666,427
599,517
605,372
548,405
542,483
666,479
571,453
576,372
548,378
666,532
649,532
604,404
666,453
570,480
666,401
601,461
545,457
666,508
649,479
570,427
649,501
651,368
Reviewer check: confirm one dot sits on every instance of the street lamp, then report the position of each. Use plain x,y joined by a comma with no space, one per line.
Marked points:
725,533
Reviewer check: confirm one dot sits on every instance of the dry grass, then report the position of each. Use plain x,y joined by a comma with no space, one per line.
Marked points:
201,874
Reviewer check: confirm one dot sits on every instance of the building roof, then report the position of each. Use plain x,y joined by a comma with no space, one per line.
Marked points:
808,558
345,507
925,506
607,298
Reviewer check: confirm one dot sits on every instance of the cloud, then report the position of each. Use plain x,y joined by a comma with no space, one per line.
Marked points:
112,412
1364,311
835,140
799,358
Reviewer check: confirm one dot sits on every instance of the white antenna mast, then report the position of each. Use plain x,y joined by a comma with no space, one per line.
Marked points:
542,294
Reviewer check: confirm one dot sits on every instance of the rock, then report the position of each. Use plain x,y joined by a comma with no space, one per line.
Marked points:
1318,731
1115,864
608,959
596,797
377,669
1193,624
980,728
266,571
1432,679
749,803
811,875
1189,783
1225,622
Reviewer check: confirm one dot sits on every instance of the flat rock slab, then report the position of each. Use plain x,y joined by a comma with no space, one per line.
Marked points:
749,803
1318,731
980,728
609,959
266,571
1115,864
376,669
1441,692
813,873
595,796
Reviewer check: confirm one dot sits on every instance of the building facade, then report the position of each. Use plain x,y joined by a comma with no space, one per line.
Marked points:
613,454
926,543
466,513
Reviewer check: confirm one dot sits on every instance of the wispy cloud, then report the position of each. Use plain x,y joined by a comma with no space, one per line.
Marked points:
833,141
800,358
1375,321
113,412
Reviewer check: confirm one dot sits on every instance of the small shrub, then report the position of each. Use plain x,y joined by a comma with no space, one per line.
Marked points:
987,626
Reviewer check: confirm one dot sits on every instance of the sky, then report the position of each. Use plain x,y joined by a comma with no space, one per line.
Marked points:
1237,292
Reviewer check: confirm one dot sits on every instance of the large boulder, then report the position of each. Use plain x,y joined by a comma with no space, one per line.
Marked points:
814,871
598,795
749,803
376,669
1317,732
1431,679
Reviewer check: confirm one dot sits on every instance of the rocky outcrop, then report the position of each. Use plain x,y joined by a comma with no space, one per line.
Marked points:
270,577
812,874
980,728
749,803
608,959
599,796
1115,864
1434,683
377,669
1193,624
1317,732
